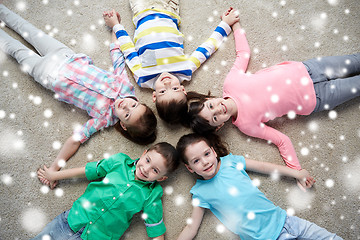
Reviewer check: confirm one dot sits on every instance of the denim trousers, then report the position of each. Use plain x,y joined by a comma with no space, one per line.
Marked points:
59,229
336,79
297,228
43,66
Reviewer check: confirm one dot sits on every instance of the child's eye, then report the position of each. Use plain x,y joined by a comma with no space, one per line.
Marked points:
207,153
196,161
147,160
215,118
134,105
156,171
127,115
162,91
175,88
210,106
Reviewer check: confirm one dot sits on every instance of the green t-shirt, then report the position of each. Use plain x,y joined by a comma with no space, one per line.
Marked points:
107,206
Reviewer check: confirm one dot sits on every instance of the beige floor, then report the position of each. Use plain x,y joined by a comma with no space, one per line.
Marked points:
276,31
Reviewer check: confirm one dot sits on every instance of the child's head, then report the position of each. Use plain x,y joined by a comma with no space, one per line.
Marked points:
201,153
137,122
170,98
196,104
156,162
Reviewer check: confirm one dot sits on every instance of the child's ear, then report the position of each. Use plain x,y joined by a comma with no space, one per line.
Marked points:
183,89
123,126
220,126
162,178
154,96
189,168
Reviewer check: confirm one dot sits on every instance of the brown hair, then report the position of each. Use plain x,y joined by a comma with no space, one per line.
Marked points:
144,131
173,112
211,139
169,153
196,104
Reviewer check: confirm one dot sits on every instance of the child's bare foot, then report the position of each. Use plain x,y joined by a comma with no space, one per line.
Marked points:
41,174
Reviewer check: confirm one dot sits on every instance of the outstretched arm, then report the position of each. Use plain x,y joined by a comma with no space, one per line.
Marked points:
63,174
190,231
283,142
242,48
113,20
205,50
302,176
66,152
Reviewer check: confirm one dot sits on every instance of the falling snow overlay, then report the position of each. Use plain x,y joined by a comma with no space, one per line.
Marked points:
34,125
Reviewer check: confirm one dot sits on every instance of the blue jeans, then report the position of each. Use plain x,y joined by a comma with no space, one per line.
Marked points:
336,79
59,229
297,228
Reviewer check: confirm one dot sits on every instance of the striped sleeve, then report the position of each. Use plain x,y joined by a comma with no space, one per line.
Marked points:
117,58
128,48
202,53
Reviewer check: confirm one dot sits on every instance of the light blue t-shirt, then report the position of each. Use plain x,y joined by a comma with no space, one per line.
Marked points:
237,203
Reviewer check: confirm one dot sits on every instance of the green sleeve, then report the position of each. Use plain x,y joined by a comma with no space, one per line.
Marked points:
96,170
153,212
90,171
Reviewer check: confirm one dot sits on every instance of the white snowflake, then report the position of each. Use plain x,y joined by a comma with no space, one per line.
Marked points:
169,190
56,145
33,220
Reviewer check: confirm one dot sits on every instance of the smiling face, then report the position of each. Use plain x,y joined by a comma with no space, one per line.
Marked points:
151,167
168,87
202,159
128,110
216,111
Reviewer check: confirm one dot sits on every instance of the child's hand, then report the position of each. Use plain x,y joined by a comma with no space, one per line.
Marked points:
304,179
46,177
111,18
230,16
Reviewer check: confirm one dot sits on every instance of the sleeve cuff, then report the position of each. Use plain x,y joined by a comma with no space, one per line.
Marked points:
90,171
225,26
155,230
118,27
114,46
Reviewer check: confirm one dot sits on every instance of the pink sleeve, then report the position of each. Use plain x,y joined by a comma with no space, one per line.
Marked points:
242,51
92,126
282,141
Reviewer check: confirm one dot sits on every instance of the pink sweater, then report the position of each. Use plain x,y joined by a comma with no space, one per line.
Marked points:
267,94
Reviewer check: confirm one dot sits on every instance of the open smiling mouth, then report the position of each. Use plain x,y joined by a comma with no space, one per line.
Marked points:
164,78
209,168
142,174
224,108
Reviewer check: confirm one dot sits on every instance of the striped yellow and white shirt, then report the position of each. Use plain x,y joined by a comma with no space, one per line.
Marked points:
158,47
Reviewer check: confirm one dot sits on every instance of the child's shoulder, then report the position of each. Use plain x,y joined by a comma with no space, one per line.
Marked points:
237,161
121,156
232,157
155,191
